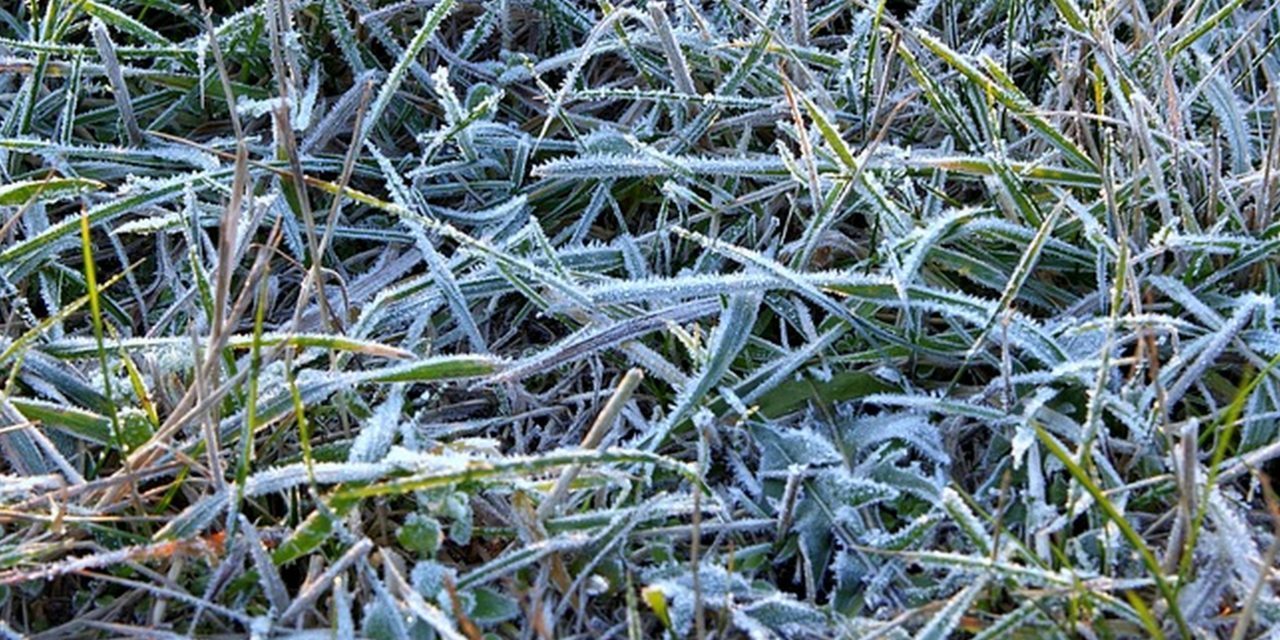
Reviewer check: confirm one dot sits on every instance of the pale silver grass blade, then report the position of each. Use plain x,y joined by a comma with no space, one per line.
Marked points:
596,337
1026,264
522,556
600,198
924,240
148,193
396,77
418,606
701,285
268,575
617,165
201,514
345,625
323,132
943,623
1221,338
439,269
775,269
966,521
382,596
667,96
16,488
796,280
173,593
344,35
378,432
570,290
126,23
507,212
579,62
777,371
119,90
227,568
800,23
455,114
457,303
675,57
29,451
1212,321
66,121
727,340
100,560
314,590
643,356
107,160
940,405
1010,622
621,529
1004,568
854,167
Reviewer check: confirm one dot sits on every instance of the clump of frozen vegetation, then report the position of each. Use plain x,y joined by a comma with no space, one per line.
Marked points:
749,318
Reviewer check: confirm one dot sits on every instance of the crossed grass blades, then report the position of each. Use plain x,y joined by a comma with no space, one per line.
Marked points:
739,318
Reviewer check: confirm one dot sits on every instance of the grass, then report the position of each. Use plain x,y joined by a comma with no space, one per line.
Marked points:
748,318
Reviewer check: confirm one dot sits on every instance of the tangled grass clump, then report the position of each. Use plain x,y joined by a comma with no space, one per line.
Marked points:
552,319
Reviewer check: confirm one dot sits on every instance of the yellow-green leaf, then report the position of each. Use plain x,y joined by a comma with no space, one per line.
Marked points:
20,193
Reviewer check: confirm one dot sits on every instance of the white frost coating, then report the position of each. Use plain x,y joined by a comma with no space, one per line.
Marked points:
376,436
